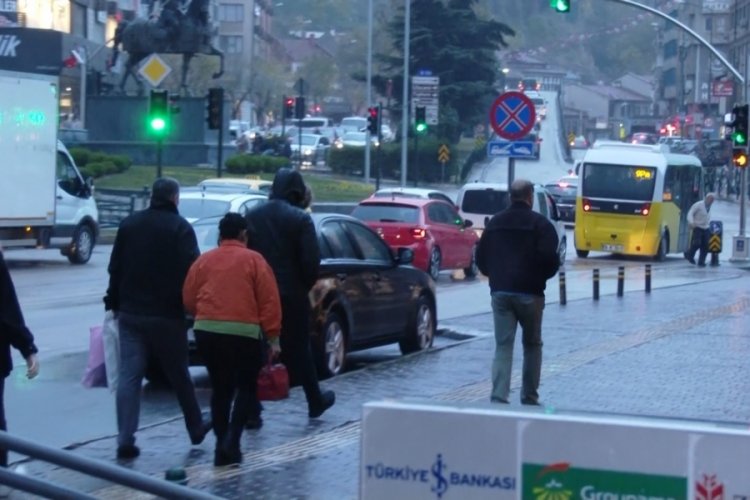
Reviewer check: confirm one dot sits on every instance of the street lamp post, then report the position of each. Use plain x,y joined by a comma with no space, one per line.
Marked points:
405,93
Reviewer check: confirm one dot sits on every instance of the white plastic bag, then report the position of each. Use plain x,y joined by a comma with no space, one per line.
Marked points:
111,338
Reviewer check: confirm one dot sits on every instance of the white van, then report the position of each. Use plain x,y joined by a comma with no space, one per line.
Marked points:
479,201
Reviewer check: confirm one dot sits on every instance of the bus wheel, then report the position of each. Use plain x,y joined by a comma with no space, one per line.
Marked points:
661,253
582,253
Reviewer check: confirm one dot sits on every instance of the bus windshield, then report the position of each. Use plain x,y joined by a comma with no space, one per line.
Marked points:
619,182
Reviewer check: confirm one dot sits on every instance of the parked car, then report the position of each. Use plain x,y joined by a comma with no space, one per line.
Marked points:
203,203
256,184
313,148
564,193
366,294
479,201
407,192
439,237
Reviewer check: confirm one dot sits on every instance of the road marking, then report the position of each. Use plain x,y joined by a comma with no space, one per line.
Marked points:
349,433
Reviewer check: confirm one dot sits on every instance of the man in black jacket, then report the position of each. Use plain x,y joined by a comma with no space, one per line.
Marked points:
13,332
518,251
152,253
284,234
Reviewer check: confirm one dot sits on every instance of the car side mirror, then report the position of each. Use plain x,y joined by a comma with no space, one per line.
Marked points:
405,256
468,223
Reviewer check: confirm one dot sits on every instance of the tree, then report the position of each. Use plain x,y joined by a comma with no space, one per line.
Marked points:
449,39
319,73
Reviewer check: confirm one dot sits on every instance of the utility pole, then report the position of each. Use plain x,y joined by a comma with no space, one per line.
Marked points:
405,94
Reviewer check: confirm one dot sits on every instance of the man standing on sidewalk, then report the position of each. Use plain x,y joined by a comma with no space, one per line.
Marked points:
284,234
698,221
152,253
518,252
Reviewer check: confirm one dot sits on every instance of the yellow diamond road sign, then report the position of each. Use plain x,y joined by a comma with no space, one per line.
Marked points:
154,70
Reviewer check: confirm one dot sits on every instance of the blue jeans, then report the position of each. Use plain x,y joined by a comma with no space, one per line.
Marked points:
145,339
510,309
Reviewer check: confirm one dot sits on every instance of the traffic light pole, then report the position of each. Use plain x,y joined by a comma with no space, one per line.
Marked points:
159,147
511,171
220,152
416,158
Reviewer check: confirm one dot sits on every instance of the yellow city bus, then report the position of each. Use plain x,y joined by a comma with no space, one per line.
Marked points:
633,199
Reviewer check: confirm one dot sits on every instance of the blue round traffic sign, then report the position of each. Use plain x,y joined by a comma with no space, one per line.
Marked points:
512,115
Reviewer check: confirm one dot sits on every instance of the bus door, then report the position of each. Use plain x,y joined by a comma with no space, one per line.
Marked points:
682,185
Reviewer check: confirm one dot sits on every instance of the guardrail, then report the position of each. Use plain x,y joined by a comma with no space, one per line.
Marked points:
116,204
88,466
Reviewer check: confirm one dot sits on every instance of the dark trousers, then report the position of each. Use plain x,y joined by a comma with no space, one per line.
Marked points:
296,352
163,340
233,363
698,242
3,424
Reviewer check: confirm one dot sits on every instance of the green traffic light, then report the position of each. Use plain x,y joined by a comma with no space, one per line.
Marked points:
560,5
739,138
421,127
158,124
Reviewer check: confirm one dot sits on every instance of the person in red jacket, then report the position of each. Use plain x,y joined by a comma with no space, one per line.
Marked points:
231,292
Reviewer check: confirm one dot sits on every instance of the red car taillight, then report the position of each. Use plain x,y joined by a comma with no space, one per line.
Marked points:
646,209
418,233
586,205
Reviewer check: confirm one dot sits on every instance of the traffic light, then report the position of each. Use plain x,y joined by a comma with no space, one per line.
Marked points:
214,107
420,119
158,112
373,120
299,108
288,107
560,5
739,126
739,158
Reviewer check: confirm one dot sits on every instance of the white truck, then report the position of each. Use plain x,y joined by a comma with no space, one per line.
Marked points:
44,200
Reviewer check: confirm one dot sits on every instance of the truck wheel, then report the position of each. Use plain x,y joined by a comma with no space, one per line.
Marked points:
82,245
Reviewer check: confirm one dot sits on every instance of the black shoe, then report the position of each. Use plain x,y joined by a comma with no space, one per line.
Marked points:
223,457
500,401
128,451
205,428
531,402
701,264
254,423
327,399
689,258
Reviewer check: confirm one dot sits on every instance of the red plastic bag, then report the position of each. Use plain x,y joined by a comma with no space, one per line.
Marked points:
273,382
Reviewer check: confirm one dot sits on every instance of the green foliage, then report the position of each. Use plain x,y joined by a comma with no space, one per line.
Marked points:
255,164
351,161
97,164
452,41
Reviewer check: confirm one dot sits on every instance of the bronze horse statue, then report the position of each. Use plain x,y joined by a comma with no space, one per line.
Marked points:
176,31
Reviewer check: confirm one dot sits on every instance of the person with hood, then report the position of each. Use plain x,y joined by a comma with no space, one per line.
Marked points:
518,252
284,234
152,253
13,332
232,293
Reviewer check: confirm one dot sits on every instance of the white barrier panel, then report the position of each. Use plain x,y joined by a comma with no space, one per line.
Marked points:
433,451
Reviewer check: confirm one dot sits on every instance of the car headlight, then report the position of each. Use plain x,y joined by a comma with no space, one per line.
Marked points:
307,152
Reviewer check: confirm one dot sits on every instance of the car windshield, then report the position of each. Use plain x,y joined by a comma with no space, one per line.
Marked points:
200,208
387,213
355,136
562,189
307,140
485,201
353,123
391,194
312,123
619,182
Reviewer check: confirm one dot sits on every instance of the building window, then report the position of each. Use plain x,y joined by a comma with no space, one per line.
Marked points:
232,12
670,49
231,44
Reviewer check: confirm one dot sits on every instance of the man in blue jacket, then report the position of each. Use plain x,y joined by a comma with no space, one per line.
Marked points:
518,251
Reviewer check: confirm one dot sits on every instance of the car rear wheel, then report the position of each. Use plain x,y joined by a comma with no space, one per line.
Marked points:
582,253
333,352
433,266
421,330
472,270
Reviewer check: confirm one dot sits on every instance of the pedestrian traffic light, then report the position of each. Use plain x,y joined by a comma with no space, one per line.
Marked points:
739,126
214,106
560,5
373,120
420,119
158,113
288,107
299,108
739,158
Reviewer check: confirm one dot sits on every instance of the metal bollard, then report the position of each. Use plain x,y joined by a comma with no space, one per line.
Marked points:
563,294
648,278
596,284
620,281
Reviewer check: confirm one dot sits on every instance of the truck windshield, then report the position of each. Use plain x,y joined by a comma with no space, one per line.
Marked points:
618,182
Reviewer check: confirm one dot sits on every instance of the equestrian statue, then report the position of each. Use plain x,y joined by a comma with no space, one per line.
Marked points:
176,29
